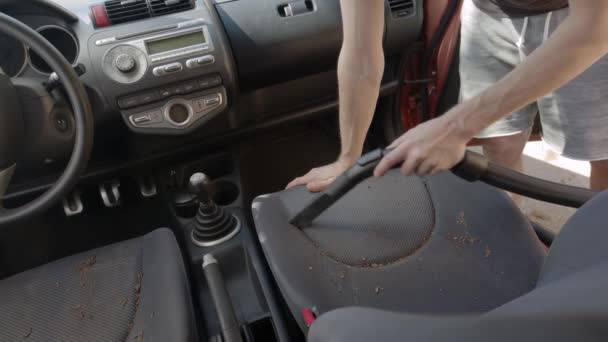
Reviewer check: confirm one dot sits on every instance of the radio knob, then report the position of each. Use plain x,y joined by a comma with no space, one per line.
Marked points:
125,63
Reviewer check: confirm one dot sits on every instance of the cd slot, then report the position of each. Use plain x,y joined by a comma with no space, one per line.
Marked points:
181,25
143,33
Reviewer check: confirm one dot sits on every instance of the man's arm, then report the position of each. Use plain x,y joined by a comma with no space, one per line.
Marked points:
360,69
439,144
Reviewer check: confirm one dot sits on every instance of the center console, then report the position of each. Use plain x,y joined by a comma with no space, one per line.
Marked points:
168,77
236,298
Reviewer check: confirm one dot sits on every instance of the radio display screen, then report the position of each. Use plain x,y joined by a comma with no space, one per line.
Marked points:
174,43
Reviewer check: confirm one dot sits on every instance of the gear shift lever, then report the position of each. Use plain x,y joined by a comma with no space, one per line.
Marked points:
200,185
212,225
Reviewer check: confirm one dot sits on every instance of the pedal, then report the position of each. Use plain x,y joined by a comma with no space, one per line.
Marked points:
110,194
147,186
72,204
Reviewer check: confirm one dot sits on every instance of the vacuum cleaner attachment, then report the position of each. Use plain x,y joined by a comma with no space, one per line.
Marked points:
473,167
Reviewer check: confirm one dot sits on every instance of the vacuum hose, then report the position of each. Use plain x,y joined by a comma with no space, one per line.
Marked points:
475,167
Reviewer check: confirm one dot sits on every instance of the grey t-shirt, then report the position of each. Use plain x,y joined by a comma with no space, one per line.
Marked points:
520,8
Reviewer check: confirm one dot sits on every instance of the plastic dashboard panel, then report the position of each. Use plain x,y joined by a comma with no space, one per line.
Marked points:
270,48
272,67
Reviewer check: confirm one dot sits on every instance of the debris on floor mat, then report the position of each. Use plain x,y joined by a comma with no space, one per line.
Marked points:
84,268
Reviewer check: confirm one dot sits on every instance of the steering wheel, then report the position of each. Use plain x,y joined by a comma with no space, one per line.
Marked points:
12,123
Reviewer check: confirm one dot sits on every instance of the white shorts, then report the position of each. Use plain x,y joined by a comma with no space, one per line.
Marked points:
574,118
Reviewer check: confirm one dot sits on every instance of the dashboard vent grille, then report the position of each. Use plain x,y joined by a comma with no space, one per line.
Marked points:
122,11
162,7
401,8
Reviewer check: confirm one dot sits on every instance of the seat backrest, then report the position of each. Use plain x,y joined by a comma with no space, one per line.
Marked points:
581,243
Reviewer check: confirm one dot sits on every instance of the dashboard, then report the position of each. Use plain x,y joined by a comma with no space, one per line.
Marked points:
164,73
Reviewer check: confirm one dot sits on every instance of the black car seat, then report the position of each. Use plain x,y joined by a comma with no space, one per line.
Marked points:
407,244
135,290
569,303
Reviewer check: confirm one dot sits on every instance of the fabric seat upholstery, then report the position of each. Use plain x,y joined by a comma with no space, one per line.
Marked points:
130,291
426,245
569,303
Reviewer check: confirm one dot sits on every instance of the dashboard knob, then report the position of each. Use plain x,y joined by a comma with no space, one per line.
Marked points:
125,63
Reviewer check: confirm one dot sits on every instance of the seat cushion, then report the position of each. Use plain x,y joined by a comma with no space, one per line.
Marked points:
570,302
426,245
125,291
344,325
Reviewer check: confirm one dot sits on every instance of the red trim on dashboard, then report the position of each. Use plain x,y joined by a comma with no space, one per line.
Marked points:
100,16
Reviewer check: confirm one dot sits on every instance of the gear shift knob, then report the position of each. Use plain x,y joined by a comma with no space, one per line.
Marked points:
201,186
212,224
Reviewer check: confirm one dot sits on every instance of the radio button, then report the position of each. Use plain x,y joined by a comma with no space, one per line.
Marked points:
159,71
145,119
178,89
164,93
215,81
149,97
190,87
212,101
138,120
205,60
204,83
208,102
125,63
175,67
199,61
128,102
167,69
199,105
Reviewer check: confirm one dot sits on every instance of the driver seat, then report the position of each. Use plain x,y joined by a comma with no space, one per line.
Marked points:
134,290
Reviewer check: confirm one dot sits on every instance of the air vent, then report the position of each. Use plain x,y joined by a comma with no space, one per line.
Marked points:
162,7
401,8
122,11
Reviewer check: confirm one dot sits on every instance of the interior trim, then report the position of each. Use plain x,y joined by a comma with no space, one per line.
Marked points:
5,179
387,89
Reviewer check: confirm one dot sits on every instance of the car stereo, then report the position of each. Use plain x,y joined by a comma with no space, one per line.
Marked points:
157,51
166,78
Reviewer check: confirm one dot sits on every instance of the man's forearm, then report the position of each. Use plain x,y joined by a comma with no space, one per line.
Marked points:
575,45
360,69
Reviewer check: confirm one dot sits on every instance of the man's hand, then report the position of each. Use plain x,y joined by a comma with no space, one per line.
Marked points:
429,148
318,179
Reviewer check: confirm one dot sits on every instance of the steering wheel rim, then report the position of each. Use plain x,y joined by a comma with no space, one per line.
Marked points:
83,118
